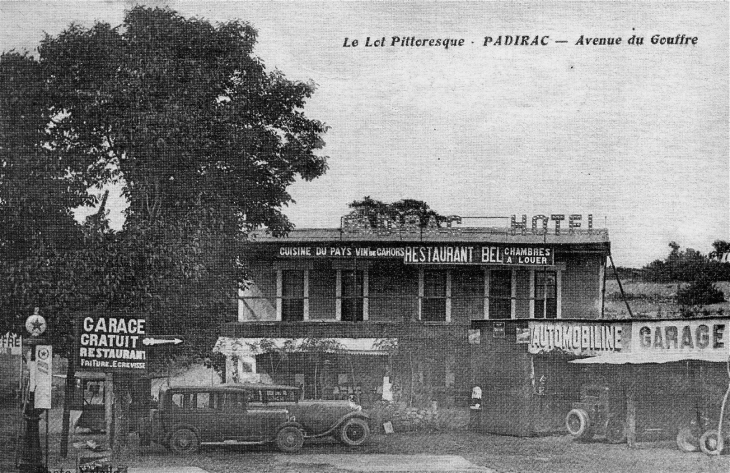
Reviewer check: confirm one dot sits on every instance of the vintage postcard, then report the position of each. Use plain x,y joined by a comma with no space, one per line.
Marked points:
364,236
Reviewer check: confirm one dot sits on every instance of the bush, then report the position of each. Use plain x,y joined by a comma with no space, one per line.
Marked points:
701,291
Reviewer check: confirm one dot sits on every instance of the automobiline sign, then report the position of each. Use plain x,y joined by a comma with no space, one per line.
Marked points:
580,339
112,343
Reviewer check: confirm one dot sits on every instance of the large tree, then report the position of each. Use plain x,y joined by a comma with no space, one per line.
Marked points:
203,140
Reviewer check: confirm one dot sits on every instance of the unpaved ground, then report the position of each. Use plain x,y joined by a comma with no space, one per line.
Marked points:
502,454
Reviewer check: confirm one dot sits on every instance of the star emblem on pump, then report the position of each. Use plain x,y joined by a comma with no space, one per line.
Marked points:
35,324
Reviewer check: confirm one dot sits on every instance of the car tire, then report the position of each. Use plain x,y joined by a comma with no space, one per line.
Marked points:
289,439
184,441
354,432
616,430
578,424
687,440
711,443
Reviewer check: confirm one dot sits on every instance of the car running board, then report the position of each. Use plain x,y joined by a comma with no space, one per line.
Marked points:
235,442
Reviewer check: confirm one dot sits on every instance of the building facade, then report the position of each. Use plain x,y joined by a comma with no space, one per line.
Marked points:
396,300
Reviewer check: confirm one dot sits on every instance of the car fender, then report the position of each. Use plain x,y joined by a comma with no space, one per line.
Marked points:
359,414
181,425
289,424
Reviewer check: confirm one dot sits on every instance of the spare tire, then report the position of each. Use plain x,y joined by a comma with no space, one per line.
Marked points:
578,423
687,440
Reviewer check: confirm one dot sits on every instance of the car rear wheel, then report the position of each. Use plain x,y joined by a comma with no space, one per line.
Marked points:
711,443
289,439
184,441
578,423
354,432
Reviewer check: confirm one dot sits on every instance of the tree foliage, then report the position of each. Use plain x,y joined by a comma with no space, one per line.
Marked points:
203,140
687,265
397,211
701,291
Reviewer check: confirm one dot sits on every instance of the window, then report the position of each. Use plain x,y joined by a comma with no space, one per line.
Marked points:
292,295
433,304
352,296
231,401
500,294
545,295
281,395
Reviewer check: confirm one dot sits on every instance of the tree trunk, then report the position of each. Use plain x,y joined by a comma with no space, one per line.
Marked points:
122,402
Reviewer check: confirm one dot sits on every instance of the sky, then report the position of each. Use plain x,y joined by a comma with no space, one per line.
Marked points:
636,135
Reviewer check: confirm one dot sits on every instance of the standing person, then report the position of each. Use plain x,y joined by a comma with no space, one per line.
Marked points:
475,408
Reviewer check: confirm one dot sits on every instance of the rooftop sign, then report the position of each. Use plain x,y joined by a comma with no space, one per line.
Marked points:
360,222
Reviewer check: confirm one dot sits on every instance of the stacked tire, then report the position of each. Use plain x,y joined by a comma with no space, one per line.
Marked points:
578,424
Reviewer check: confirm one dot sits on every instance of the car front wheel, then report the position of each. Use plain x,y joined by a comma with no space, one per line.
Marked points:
289,439
354,432
184,442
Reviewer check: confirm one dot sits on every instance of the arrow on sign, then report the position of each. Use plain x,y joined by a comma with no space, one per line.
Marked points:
160,341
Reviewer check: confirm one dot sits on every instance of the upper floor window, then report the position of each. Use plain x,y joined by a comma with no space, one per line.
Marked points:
500,294
433,303
545,295
292,295
352,296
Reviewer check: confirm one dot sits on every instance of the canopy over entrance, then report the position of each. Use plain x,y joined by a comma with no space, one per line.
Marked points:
641,358
255,346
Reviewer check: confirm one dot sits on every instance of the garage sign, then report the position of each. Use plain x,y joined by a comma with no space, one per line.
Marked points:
680,337
112,343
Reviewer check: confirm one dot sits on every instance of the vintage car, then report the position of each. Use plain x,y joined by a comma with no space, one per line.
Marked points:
188,417
343,420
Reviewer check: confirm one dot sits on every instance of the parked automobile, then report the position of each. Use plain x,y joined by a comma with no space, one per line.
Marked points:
343,420
188,417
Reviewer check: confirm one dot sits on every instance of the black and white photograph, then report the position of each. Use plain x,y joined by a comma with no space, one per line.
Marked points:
364,236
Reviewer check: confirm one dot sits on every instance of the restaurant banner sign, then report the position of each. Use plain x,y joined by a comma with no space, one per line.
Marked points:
112,344
680,337
571,337
511,255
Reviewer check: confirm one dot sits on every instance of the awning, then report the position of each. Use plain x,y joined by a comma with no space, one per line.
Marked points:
640,358
351,346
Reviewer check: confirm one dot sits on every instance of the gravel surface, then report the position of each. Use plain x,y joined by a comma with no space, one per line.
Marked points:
560,454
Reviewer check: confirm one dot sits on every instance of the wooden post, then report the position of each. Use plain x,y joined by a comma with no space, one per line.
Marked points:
621,288
69,395
109,408
631,409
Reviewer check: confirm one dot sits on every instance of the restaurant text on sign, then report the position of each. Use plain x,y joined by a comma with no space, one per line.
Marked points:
112,343
441,254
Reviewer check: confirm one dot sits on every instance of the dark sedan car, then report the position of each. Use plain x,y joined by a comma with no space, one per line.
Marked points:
188,417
